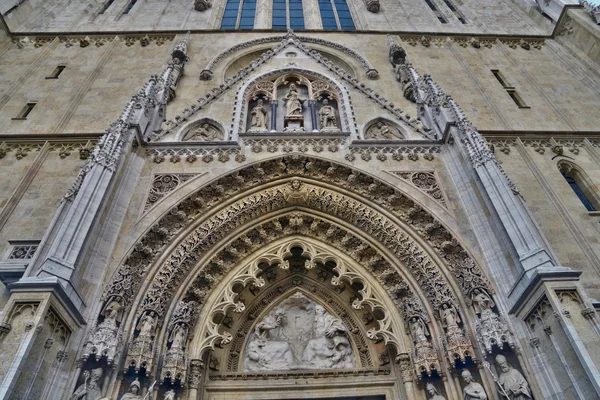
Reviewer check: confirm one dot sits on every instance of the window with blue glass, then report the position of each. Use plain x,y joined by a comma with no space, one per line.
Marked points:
239,14
335,15
288,14
572,181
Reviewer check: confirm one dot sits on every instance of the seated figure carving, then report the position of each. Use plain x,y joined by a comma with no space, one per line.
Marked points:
298,334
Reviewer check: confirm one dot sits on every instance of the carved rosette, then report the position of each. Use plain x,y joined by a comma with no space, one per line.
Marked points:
493,330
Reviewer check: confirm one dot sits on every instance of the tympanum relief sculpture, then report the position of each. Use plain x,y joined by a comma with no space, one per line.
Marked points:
203,133
298,334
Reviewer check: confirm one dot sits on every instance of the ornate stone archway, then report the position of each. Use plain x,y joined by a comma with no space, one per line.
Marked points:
412,239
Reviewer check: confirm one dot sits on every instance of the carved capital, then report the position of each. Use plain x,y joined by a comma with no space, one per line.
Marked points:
534,342
196,368
548,331
62,356
588,313
5,327
403,360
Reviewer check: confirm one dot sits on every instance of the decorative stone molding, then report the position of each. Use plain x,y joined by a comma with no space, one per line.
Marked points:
396,153
24,251
162,185
593,9
299,374
196,368
207,72
192,154
404,361
292,145
426,182
475,42
289,39
97,41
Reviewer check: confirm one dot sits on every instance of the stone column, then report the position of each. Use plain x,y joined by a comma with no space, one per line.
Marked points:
313,115
195,378
274,115
406,368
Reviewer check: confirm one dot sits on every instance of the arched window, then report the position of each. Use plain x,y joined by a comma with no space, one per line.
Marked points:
580,184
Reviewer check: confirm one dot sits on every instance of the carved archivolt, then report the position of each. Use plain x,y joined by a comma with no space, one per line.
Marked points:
128,277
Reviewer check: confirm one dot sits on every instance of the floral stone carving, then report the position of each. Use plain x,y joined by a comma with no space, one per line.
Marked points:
298,334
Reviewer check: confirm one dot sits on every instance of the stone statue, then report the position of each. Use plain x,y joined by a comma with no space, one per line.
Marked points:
146,324
177,337
473,390
293,102
418,329
327,116
205,132
170,395
512,381
435,395
482,301
298,334
259,117
111,312
449,316
134,391
90,388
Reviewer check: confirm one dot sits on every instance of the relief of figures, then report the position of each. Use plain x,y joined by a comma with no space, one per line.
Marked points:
298,334
382,131
203,133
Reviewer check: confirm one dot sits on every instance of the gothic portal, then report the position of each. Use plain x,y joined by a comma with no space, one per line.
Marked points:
332,199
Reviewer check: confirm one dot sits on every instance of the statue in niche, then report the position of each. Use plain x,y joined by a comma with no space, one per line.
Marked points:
381,130
327,117
472,390
330,348
146,324
435,395
418,329
449,316
205,132
293,102
512,381
258,121
177,337
482,301
298,334
90,388
134,391
112,313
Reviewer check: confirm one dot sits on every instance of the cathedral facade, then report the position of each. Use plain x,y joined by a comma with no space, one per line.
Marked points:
285,199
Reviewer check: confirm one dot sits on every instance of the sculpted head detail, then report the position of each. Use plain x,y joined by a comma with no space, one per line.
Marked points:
502,363
431,389
319,309
466,375
135,387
